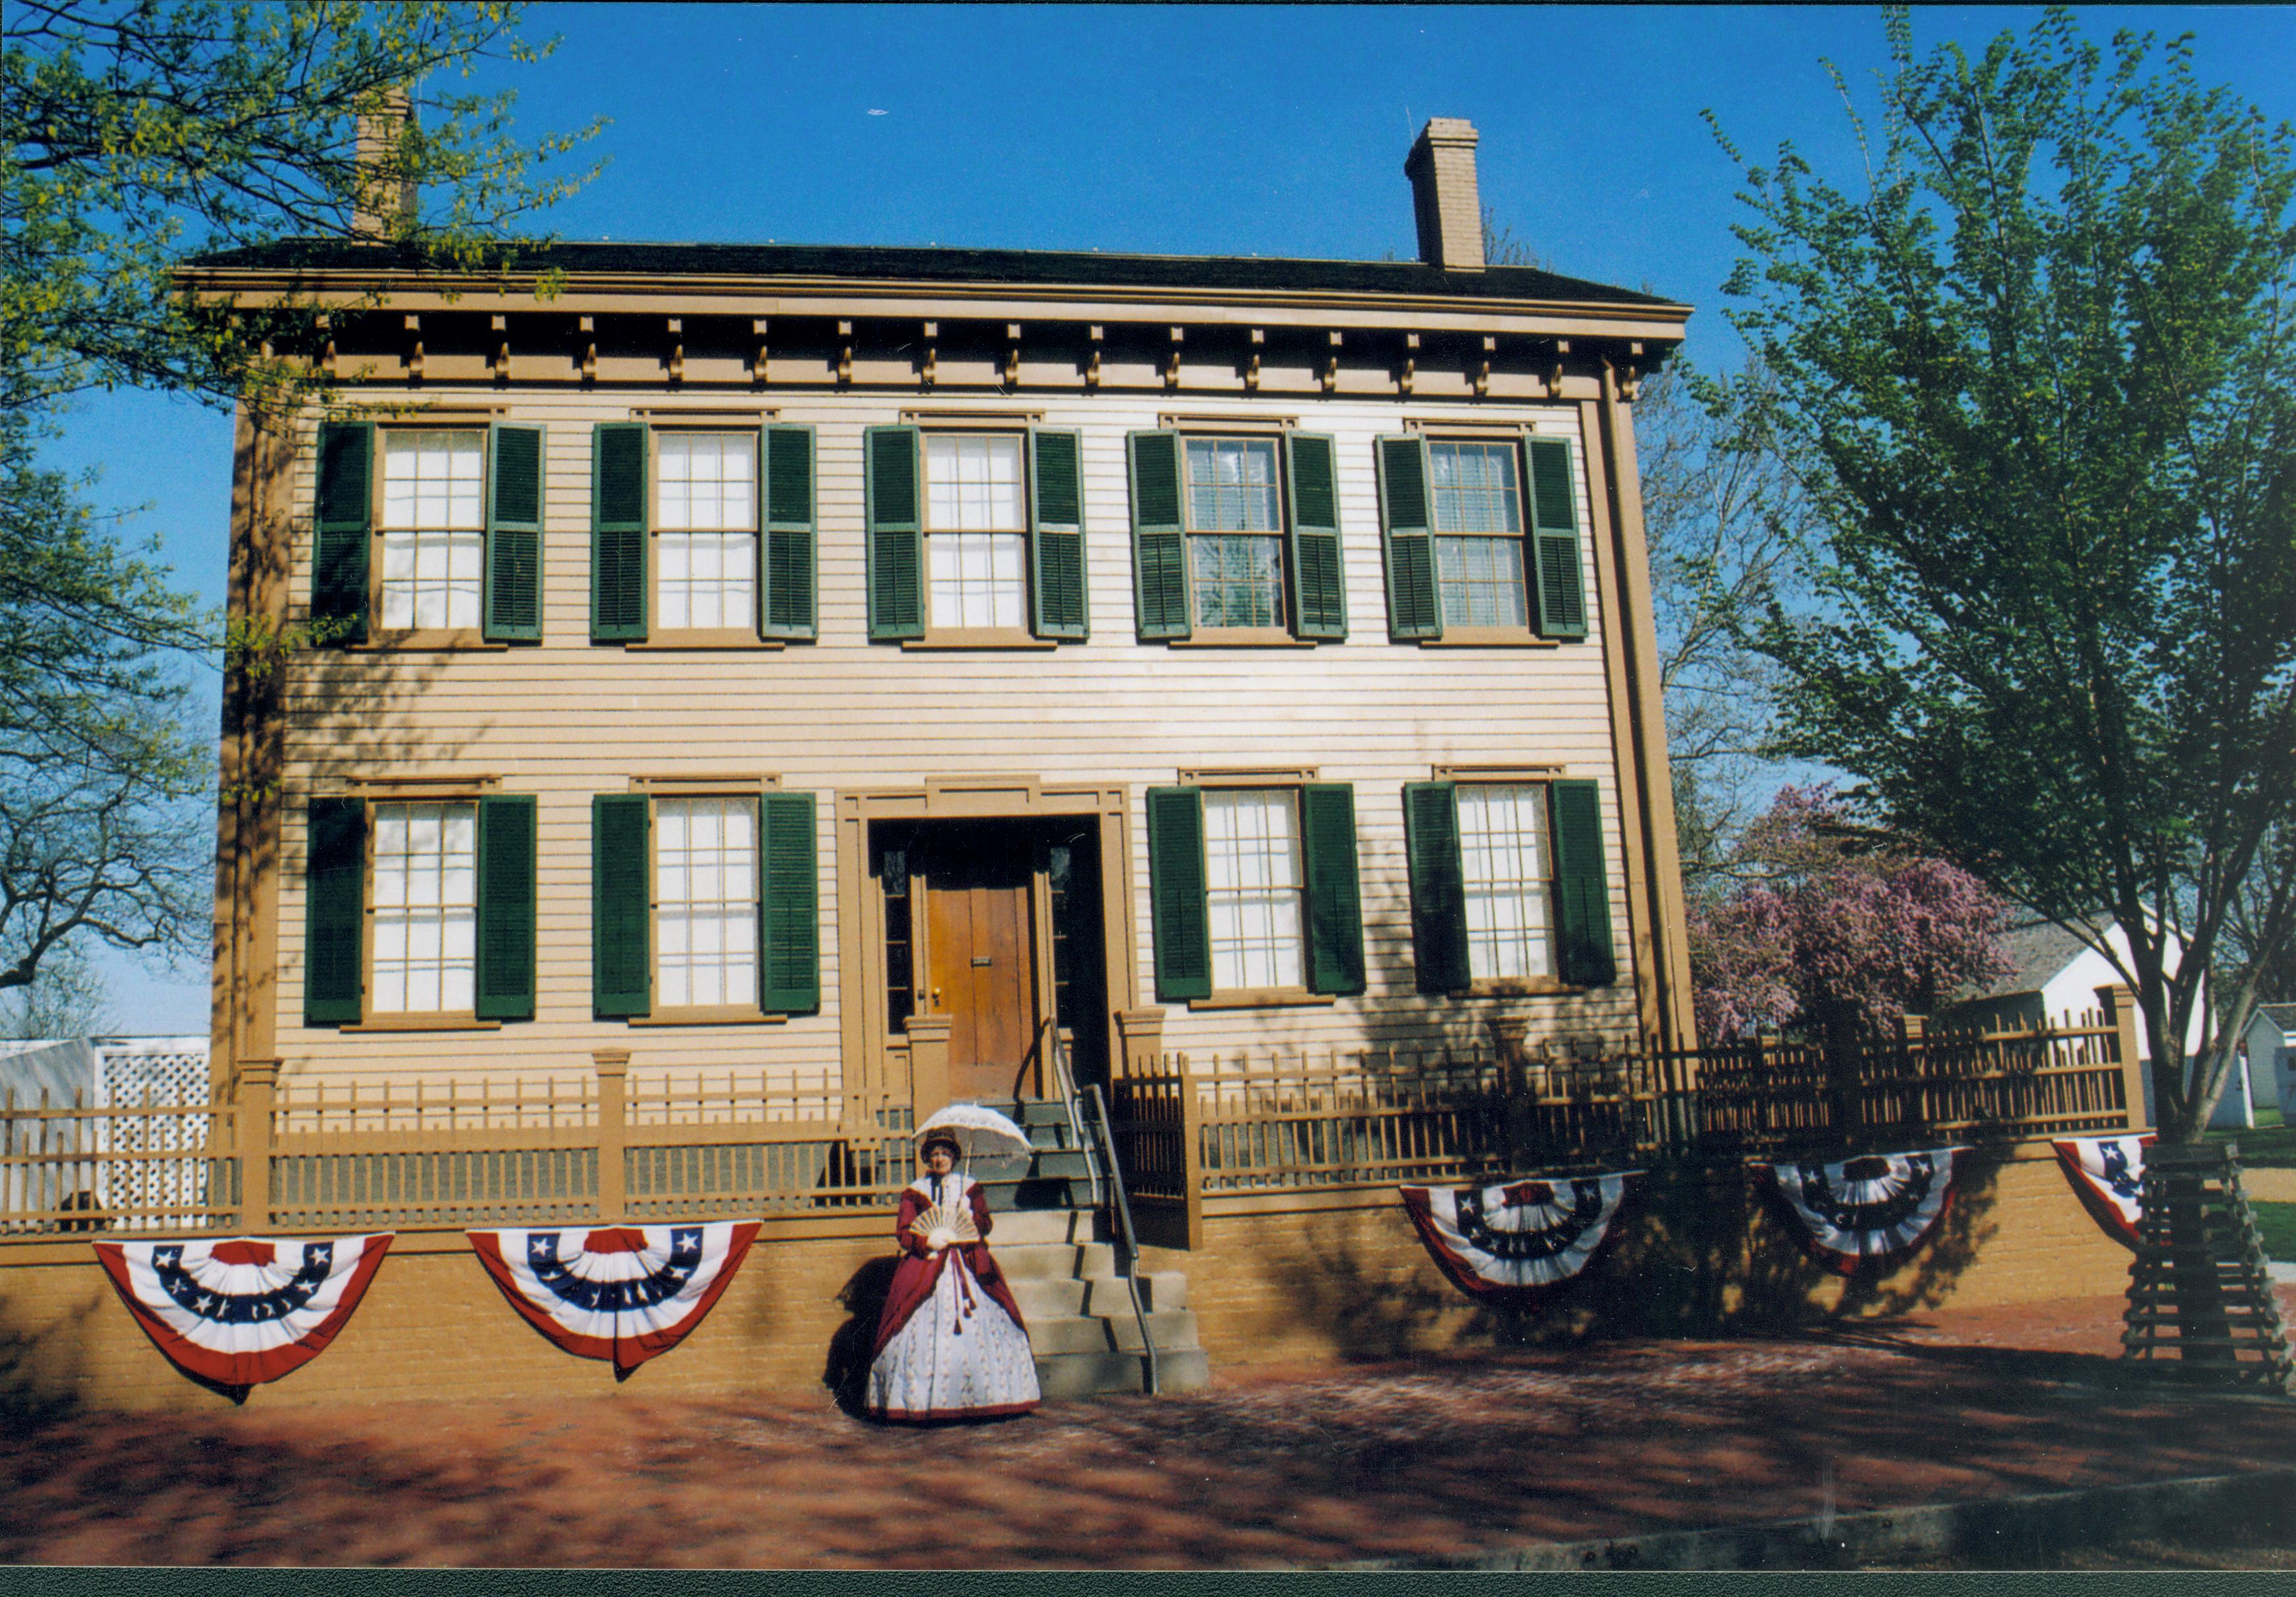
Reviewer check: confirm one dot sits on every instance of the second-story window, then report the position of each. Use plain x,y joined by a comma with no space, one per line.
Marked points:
706,531
1235,526
976,531
1478,534
434,520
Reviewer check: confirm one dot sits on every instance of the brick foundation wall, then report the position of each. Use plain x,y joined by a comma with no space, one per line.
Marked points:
1697,1254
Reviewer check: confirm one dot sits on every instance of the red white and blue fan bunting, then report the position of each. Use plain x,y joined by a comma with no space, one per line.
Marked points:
242,1310
1871,1207
1505,1241
2108,1175
624,1293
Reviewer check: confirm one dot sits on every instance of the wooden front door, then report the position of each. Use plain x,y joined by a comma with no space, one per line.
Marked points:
980,958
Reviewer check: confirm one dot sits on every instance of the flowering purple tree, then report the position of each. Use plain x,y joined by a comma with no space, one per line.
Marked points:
1834,928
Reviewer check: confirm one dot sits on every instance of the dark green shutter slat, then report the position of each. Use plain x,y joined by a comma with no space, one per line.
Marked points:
1582,888
617,532
1407,530
1318,579
334,888
790,912
622,869
1327,830
1439,894
341,529
1159,547
1554,562
1056,526
514,581
896,547
786,597
504,988
1176,887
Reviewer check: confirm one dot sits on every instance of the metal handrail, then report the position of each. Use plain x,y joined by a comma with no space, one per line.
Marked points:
1064,1082
1131,1241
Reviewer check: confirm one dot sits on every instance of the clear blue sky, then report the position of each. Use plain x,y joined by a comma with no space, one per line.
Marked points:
1161,131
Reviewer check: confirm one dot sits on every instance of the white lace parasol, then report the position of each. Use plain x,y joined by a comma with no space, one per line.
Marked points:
977,1132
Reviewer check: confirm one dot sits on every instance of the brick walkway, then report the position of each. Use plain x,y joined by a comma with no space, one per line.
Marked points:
1269,1467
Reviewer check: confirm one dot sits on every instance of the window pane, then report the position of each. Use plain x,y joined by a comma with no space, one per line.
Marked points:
432,579
1253,888
425,906
1238,581
705,888
706,481
978,579
706,580
1502,854
1232,485
973,484
434,480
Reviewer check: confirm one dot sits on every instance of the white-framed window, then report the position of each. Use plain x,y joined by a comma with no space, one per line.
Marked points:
706,531
1476,491
705,902
425,907
1235,527
1507,865
434,520
976,531
1255,888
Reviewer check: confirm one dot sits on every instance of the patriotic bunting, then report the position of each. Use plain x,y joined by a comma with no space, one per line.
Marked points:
1503,1242
2108,1175
244,1310
1871,1207
624,1293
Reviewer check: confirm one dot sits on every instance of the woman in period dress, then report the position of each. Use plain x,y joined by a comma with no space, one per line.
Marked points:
951,1344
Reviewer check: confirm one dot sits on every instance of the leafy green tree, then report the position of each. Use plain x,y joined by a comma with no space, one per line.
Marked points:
133,133
2037,367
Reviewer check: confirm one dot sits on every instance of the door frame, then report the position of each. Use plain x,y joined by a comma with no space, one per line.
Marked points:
875,1063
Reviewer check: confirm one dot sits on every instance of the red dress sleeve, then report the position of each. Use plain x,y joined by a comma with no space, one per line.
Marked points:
912,1205
980,1221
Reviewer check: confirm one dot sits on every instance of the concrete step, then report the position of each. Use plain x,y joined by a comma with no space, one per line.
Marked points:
1085,1261
1172,1331
1034,1192
1160,1290
1047,1297
1088,1374
1019,1228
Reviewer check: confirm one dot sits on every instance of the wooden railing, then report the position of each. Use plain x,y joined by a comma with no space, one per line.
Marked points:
316,1156
1220,1124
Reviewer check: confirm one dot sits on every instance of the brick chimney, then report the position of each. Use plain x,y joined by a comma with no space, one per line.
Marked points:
1441,167
382,199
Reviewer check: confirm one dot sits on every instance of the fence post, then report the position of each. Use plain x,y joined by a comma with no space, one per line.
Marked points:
2120,1006
613,1065
253,1097
1913,1054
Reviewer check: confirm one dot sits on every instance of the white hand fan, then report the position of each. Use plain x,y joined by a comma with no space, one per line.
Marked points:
944,1223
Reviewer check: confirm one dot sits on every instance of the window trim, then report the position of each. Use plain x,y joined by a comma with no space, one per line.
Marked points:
371,1019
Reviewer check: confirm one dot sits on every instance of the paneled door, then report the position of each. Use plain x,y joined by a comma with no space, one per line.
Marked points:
980,957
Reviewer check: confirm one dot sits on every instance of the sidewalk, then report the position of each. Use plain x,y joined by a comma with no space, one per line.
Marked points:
1436,1460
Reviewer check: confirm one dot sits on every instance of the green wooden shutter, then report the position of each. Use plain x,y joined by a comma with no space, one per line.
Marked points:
504,988
343,527
1582,887
1056,531
621,880
1159,544
1553,562
1327,835
1319,588
513,580
895,547
1406,530
334,890
1438,893
789,905
786,604
617,532
1175,892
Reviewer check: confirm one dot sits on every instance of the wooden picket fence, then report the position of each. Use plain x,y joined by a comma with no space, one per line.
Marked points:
319,1157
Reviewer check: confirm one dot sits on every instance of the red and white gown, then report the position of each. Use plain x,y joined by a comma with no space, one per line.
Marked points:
951,1344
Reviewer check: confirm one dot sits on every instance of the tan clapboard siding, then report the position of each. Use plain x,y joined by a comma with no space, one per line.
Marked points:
565,719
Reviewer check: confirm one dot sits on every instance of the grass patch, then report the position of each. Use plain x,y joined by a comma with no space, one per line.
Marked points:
2268,1145
2276,1224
